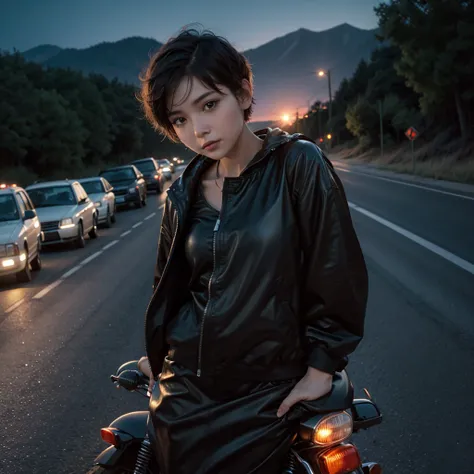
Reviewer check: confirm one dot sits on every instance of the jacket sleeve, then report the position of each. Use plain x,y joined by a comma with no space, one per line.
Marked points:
335,283
164,243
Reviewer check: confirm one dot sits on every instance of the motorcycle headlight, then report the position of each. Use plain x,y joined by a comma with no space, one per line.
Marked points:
332,429
66,223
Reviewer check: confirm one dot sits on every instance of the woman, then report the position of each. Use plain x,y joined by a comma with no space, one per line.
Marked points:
260,283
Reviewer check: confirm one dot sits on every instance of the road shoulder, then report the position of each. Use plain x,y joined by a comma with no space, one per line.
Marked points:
375,171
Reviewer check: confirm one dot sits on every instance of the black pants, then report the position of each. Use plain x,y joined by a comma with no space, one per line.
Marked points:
216,426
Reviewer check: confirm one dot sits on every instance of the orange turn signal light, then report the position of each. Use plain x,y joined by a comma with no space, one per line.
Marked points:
109,436
341,459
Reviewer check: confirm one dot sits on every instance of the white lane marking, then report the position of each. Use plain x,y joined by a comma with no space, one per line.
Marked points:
110,245
72,271
46,290
90,258
15,306
162,206
406,184
150,216
458,261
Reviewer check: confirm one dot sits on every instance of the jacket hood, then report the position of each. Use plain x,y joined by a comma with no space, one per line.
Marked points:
272,139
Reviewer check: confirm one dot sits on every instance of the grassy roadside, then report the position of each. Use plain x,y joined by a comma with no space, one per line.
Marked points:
456,164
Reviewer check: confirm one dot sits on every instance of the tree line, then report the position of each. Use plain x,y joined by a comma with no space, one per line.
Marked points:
57,123
422,75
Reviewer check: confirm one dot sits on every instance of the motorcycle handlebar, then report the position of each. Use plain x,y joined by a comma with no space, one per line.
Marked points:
130,380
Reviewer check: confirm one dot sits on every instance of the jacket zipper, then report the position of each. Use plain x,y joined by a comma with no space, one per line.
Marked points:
209,286
165,271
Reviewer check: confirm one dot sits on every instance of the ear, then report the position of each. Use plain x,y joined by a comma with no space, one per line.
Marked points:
246,95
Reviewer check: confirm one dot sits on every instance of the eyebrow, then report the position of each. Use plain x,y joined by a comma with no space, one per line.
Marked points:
195,102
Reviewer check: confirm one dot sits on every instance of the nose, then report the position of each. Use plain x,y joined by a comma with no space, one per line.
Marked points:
201,128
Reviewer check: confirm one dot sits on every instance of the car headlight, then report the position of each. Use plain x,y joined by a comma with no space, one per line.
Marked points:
131,190
66,223
332,429
98,203
167,169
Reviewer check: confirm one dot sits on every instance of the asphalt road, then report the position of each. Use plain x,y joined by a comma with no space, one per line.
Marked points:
57,351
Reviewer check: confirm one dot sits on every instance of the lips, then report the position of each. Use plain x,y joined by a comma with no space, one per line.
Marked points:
210,145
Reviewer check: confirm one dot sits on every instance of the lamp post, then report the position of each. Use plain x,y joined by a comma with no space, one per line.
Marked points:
322,73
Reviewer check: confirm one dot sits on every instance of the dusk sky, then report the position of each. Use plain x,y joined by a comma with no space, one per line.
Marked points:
246,23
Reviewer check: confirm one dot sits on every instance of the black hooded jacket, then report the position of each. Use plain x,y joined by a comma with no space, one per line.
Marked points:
289,287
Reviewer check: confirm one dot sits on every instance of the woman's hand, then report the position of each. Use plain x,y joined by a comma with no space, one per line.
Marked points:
144,367
312,386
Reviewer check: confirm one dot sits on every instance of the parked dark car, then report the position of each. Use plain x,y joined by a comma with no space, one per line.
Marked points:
129,185
155,180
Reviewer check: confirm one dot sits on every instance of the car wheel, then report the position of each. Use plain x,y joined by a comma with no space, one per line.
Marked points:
80,241
24,276
108,220
94,233
36,263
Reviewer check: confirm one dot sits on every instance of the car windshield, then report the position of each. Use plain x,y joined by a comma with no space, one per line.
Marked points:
124,174
8,209
145,166
163,162
92,187
52,196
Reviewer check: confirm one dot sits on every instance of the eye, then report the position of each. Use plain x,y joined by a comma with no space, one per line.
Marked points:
178,121
210,105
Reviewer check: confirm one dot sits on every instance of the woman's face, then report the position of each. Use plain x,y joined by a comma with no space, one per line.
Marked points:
208,122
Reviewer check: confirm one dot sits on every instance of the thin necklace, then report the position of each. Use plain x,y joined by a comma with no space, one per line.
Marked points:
218,175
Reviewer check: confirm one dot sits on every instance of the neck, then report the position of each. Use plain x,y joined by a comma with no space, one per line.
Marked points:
247,146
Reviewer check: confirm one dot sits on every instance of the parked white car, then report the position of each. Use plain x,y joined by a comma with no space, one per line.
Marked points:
101,193
20,234
65,211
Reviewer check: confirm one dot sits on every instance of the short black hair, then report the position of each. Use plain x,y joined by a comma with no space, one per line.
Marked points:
203,55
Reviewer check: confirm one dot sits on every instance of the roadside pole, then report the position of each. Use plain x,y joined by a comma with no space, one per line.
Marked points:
381,127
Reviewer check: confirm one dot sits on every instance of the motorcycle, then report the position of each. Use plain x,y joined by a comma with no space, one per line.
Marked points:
322,445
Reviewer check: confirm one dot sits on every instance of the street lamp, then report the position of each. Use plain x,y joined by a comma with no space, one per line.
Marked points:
322,73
